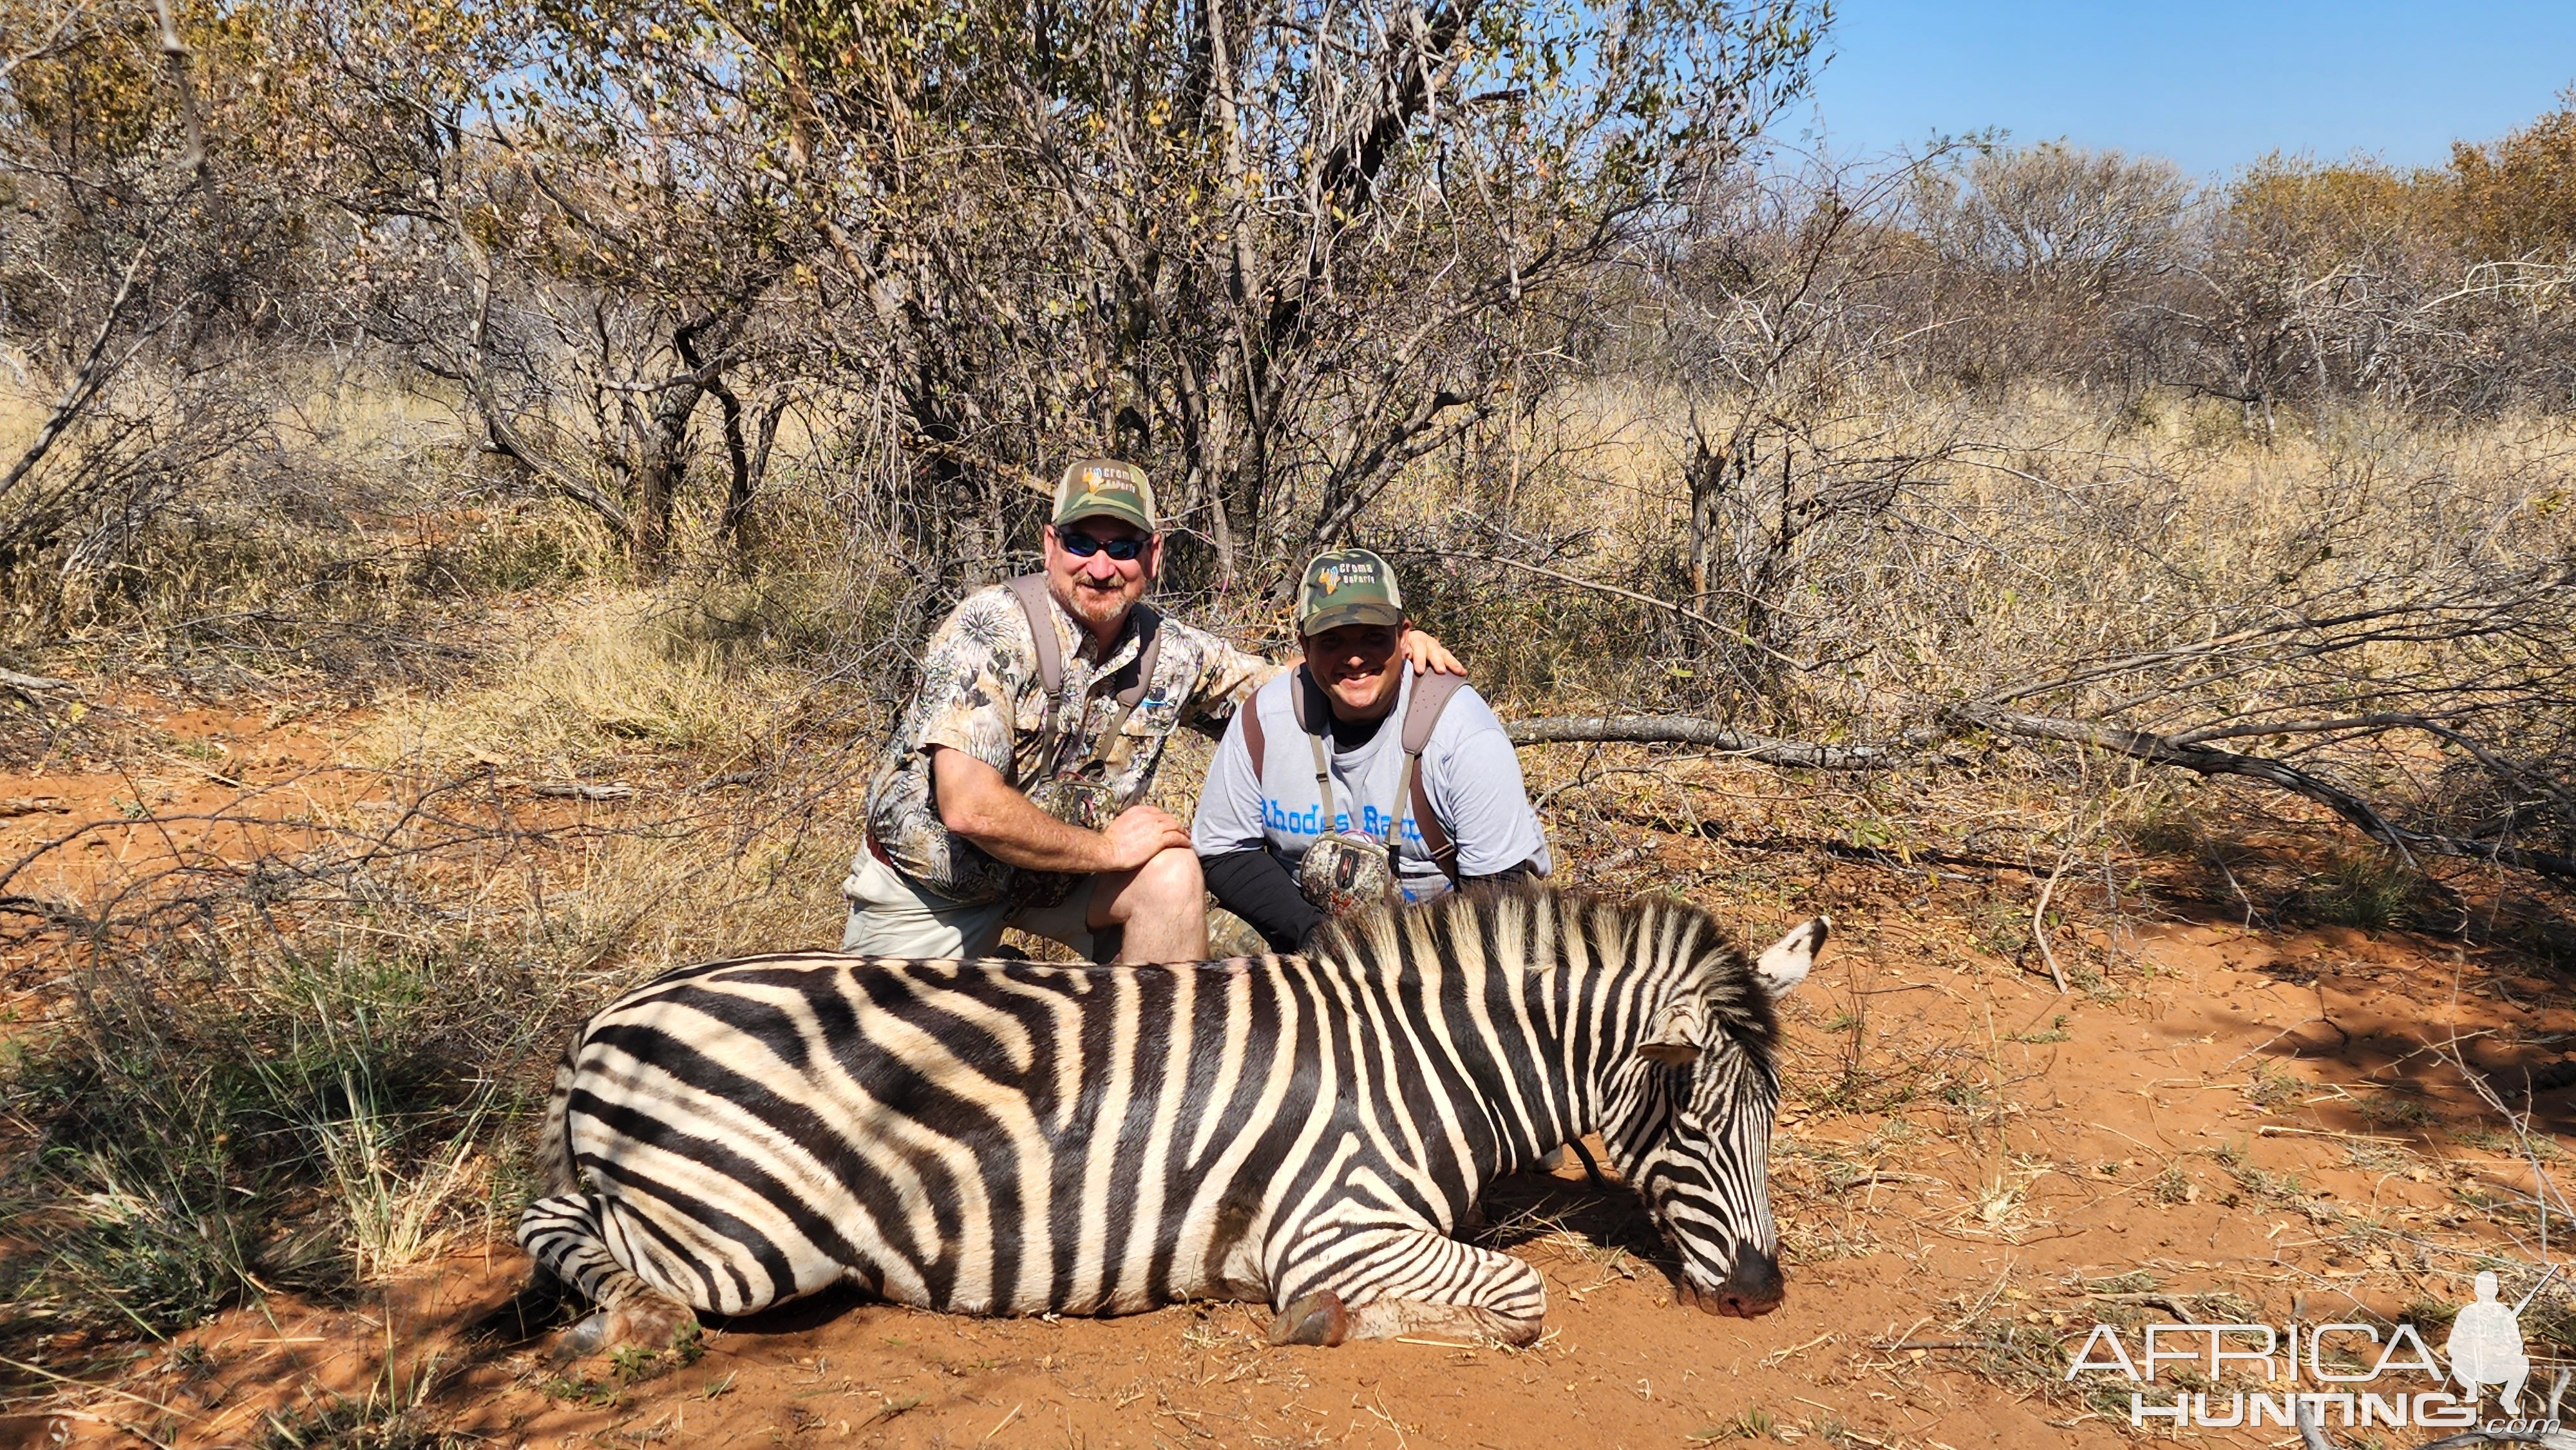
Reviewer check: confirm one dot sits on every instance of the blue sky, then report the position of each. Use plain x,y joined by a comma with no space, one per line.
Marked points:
2210,85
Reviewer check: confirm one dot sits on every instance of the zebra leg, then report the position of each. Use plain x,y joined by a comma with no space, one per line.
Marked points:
1381,1283
562,1234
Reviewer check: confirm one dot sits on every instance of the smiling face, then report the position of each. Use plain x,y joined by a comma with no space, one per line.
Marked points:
1360,666
1100,590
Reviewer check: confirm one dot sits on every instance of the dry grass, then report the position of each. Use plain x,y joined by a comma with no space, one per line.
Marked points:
608,674
2049,532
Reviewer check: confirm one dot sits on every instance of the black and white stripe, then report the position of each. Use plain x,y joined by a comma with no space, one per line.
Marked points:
1013,1138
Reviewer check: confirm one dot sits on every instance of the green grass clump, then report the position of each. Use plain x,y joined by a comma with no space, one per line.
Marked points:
2393,1110
204,1140
2370,890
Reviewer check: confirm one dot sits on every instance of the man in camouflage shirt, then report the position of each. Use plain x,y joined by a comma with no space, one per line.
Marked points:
956,848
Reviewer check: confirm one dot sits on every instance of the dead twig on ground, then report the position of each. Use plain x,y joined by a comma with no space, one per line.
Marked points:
577,791
2039,923
31,683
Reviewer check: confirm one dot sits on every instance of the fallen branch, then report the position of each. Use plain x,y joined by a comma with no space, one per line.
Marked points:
2136,744
31,683
572,791
2208,760
1683,730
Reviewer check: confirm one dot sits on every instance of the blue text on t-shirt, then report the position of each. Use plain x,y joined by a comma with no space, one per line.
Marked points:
1309,822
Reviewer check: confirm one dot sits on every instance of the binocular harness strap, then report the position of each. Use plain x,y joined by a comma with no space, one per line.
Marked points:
1421,713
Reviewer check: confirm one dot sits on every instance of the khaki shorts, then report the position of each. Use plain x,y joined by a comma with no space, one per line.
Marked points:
892,917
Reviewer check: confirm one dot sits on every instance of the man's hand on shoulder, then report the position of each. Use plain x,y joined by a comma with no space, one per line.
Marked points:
1429,655
1140,833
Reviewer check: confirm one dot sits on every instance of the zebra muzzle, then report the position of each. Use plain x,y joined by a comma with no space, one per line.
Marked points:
1752,1289
1727,1303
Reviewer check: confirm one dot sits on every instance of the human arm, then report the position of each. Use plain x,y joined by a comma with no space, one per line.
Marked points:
975,802
1253,885
1227,680
1428,655
1473,776
1232,839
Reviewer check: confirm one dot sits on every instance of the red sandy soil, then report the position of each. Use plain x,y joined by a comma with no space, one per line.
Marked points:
1964,1151
211,780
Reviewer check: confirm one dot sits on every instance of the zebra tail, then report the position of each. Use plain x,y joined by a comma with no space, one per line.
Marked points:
554,1143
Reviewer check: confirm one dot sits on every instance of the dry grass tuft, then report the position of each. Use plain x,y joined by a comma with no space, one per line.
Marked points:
617,672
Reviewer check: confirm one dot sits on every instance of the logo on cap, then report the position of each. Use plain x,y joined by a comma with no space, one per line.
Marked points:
1105,487
1348,586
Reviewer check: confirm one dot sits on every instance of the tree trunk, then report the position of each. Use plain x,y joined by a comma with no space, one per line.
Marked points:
748,465
663,448
1707,476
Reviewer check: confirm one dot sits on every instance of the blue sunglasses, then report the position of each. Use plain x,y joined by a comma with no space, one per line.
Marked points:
1083,546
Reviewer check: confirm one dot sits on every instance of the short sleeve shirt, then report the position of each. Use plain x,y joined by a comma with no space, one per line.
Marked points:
981,693
1469,770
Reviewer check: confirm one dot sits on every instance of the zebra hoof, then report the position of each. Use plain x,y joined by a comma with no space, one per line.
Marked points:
651,1325
1320,1319
587,1338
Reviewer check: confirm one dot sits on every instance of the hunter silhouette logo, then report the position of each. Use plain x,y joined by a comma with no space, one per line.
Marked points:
2485,1347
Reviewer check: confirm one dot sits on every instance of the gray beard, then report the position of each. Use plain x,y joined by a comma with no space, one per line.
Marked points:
1101,612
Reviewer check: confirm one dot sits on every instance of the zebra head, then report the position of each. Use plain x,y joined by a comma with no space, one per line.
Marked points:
1703,1129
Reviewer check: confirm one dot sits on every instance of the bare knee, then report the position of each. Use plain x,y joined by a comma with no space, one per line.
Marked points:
1170,881
1161,907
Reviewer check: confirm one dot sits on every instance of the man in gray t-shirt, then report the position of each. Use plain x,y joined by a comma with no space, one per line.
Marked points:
1257,822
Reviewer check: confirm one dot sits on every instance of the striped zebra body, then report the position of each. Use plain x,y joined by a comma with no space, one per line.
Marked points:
1014,1138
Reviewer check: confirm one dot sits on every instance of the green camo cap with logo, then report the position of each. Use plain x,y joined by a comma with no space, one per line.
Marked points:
1348,586
1105,488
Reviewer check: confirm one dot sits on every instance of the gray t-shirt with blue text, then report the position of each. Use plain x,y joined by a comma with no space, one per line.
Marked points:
1469,770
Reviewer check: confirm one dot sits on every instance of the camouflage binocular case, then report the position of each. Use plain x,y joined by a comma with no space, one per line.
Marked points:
1343,872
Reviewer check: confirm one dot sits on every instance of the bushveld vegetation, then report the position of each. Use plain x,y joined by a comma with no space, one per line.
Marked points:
728,343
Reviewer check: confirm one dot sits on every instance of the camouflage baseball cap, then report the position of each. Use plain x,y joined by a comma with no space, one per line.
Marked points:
1348,586
1105,488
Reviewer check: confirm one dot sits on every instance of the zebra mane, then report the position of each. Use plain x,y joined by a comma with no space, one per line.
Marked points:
1717,966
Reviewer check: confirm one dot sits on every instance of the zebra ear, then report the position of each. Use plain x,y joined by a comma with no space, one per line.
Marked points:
1784,965
1675,1039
